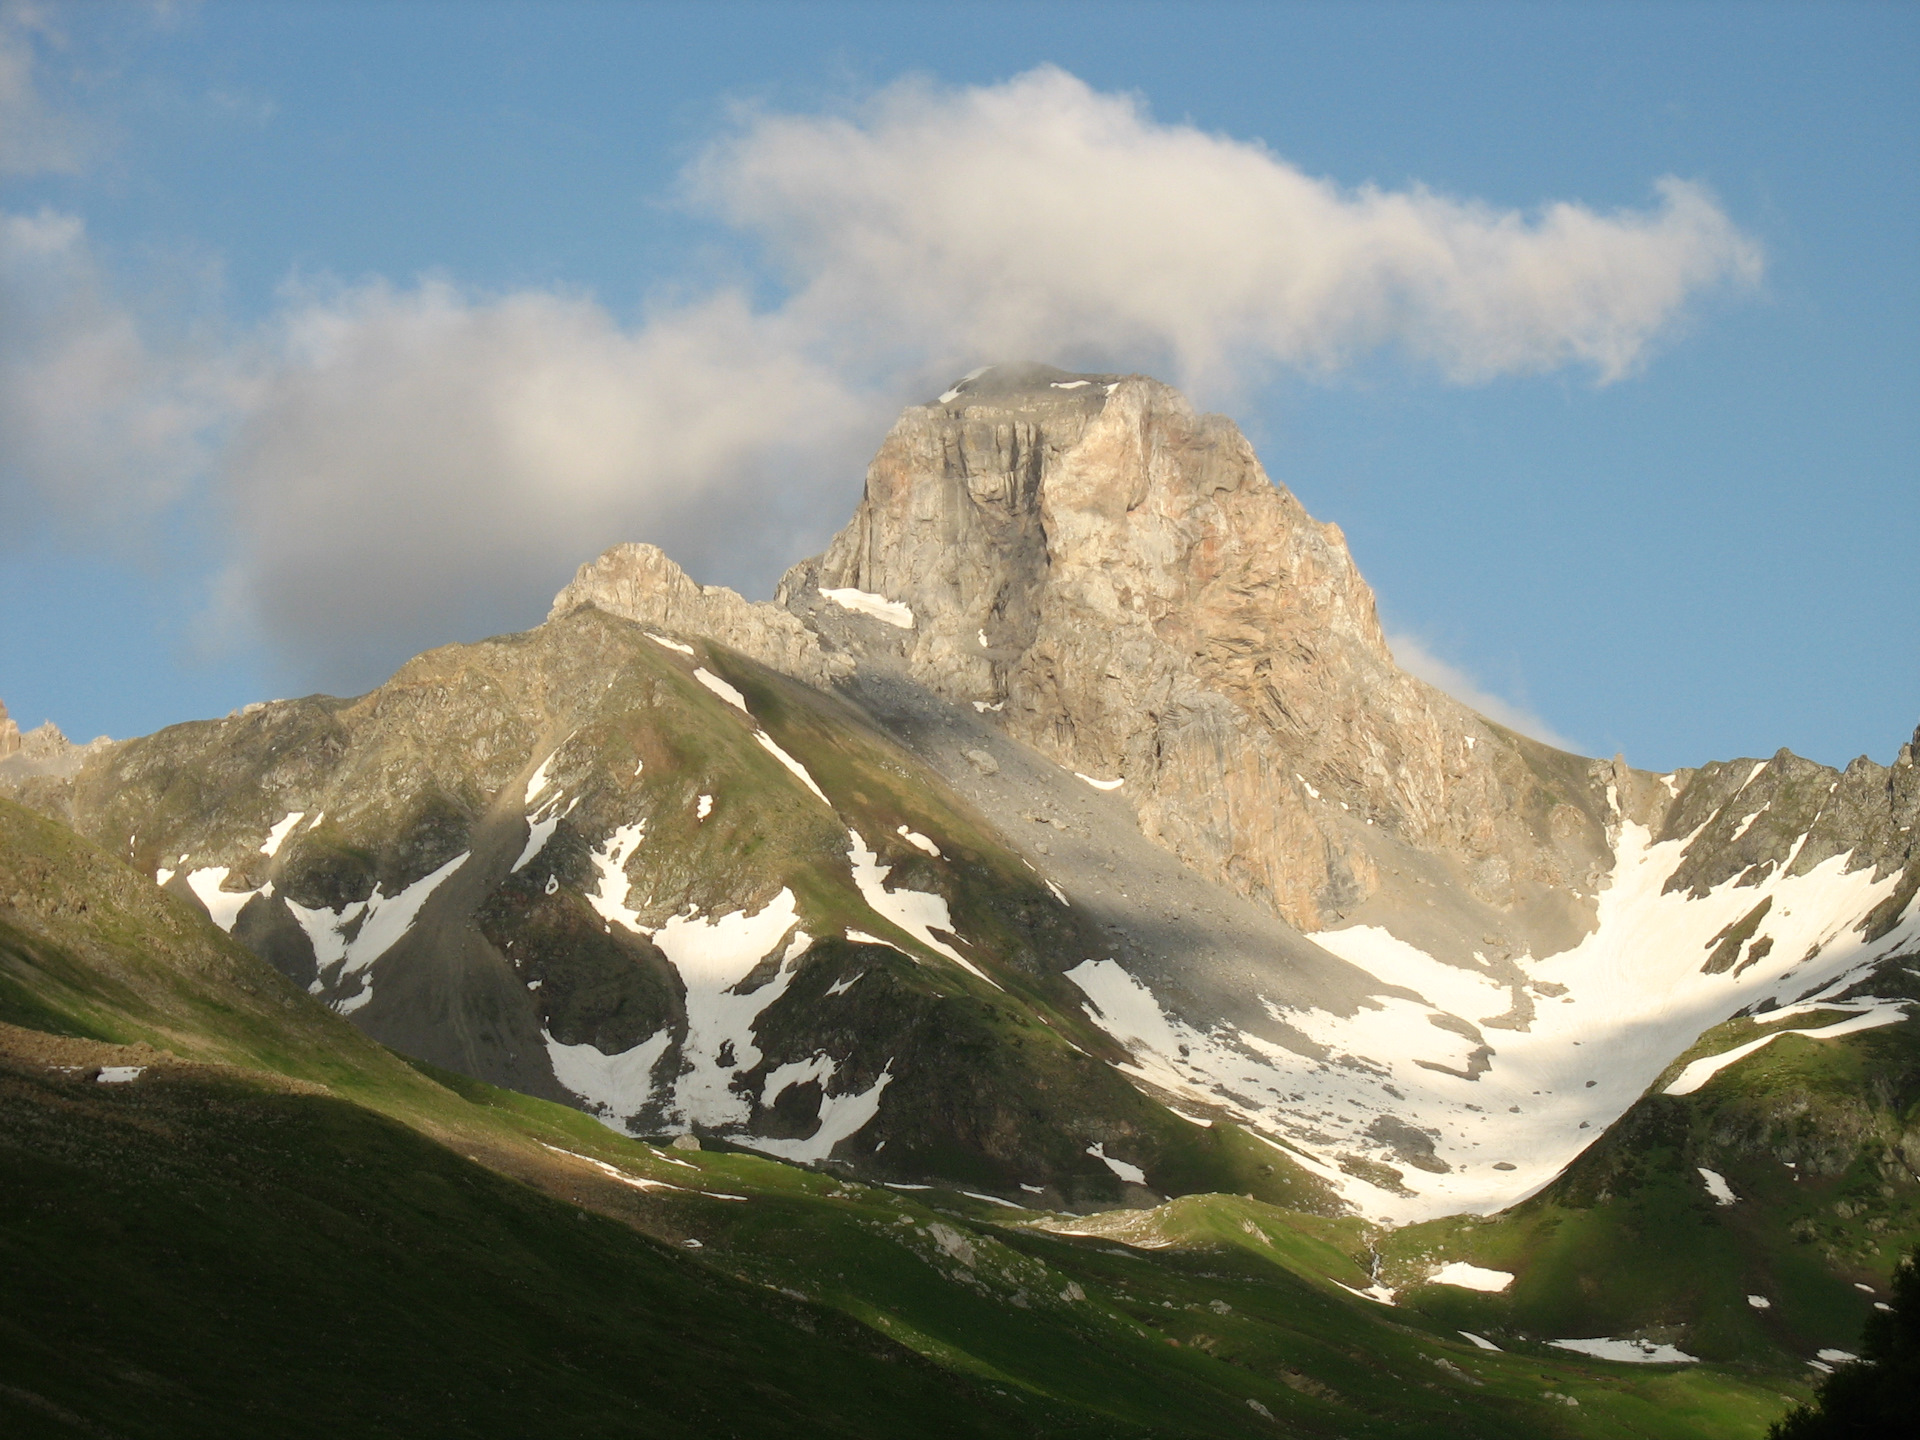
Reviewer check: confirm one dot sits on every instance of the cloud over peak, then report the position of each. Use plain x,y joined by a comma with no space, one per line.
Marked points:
1040,215
391,466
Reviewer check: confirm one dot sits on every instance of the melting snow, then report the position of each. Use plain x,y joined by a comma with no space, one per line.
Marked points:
1700,1071
947,397
721,688
538,833
919,841
983,707
713,957
670,644
861,937
703,807
1759,1302
841,1116
1376,1292
840,987
609,896
279,833
874,607
1120,1168
375,926
1837,1357
162,876
1057,894
1070,384
1717,1186
799,770
1101,784
1635,997
119,1074
917,912
1471,1277
1632,1352
1481,1341
223,905
614,1086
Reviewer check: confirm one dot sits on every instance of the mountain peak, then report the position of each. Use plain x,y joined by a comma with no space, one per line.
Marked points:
1114,578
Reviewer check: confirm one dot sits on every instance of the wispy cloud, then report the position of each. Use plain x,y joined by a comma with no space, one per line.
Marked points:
36,135
1416,659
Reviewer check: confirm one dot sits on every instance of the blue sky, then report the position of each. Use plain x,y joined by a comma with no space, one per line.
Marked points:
332,332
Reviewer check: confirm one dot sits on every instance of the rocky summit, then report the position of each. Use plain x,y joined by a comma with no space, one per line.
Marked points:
1065,838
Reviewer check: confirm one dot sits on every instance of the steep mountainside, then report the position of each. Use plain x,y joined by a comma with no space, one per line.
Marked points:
229,1213
1066,828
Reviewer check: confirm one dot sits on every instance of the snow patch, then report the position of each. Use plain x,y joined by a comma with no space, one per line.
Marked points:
1131,1173
918,912
874,607
703,807
841,1118
1055,889
278,834
1701,1071
224,906
713,957
1631,1352
1100,784
1070,384
1759,1302
721,688
1471,1277
669,644
1480,1340
1615,1010
614,1086
347,941
1717,1186
609,897
800,771
919,841
119,1074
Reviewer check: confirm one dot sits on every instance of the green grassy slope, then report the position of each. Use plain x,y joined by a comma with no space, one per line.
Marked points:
281,1228
1819,1140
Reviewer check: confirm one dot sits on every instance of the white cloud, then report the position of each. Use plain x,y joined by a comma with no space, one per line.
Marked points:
35,137
398,466
414,464
99,427
1039,217
1416,659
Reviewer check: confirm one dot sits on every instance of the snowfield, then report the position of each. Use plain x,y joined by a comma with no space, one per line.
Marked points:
1477,1118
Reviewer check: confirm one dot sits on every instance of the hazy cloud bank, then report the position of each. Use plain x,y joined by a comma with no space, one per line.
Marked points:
398,465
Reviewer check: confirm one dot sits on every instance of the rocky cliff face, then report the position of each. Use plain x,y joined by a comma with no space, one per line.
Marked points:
1116,581
9,733
639,583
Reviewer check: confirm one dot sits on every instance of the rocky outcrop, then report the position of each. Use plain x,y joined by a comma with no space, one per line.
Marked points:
639,582
41,752
1118,582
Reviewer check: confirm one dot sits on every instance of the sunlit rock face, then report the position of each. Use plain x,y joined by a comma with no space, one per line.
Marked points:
1116,579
